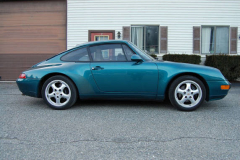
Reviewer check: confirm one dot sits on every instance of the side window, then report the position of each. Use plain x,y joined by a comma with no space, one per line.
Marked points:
107,52
77,55
128,52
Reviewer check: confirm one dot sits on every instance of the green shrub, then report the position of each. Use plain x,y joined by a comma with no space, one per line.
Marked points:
185,58
154,56
228,65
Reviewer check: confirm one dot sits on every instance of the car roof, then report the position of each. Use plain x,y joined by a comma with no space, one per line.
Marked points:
101,42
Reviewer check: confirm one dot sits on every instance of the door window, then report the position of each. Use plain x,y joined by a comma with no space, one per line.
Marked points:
101,37
107,52
128,52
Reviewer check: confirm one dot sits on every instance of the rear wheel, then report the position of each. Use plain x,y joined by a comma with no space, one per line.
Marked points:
187,93
59,92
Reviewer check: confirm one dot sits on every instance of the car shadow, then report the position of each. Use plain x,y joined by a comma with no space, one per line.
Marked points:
122,104
38,103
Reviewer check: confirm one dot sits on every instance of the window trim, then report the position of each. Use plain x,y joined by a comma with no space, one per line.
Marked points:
145,25
215,26
76,50
99,31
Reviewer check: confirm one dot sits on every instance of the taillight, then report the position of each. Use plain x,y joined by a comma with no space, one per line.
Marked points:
22,76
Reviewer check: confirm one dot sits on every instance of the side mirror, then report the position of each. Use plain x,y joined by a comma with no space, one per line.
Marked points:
136,58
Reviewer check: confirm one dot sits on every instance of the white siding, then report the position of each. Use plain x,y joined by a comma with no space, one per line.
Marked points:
179,15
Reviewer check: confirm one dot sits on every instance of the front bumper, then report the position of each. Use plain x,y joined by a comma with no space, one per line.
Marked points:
215,91
28,87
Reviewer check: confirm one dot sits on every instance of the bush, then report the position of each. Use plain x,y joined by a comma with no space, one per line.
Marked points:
185,58
228,65
153,55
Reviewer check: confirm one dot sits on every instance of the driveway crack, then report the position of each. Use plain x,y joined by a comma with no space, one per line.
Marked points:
15,140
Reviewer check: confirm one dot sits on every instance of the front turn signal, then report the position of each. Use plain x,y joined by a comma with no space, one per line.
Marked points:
225,87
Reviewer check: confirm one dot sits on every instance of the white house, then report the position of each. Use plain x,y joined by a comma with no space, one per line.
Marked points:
159,26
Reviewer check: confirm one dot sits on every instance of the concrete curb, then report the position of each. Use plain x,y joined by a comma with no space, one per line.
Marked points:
7,81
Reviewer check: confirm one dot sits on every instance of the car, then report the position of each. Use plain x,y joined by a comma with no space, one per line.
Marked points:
117,69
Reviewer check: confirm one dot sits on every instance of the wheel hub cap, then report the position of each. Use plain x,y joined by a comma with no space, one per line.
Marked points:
58,93
188,93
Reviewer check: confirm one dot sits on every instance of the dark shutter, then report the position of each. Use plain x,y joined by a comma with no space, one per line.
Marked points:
233,40
126,33
196,39
163,39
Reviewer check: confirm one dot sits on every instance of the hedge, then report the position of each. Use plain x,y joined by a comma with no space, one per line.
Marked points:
153,55
228,65
185,58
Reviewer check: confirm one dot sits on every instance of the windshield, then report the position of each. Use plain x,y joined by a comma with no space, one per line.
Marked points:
144,55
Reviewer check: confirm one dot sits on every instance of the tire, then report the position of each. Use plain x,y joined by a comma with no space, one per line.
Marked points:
59,92
187,93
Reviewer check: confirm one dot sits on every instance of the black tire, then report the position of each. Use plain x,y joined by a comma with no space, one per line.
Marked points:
183,93
59,98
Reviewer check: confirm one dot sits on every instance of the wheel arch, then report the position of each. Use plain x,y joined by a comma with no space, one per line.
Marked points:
188,74
43,79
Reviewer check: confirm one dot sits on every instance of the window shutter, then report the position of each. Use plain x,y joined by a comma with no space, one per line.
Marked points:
126,33
196,39
164,39
233,40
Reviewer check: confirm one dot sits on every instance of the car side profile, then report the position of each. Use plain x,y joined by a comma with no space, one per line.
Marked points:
118,69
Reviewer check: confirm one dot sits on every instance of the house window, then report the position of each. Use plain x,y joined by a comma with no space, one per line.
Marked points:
146,38
215,39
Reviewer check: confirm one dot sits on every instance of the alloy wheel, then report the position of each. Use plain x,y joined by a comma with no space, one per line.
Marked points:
58,93
188,93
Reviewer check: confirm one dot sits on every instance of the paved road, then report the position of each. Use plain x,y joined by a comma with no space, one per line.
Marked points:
117,129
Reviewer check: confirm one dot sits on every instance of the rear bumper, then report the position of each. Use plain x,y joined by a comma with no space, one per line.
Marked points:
28,87
215,91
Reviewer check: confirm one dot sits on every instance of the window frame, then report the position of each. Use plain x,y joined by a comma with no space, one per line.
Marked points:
91,58
144,34
215,30
125,51
75,49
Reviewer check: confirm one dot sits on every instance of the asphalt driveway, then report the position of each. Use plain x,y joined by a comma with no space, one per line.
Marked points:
117,129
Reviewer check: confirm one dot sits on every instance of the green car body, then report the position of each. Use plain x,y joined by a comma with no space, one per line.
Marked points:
148,79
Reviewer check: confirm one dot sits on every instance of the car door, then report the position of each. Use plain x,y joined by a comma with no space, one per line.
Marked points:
113,70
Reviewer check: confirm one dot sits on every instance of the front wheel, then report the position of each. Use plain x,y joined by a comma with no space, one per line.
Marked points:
187,93
59,92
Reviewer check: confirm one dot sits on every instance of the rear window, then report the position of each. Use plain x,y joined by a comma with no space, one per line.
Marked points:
77,55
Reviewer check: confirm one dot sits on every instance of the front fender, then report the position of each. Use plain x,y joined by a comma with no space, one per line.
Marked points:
168,71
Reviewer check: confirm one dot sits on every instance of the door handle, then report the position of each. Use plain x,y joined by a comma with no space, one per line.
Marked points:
97,68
